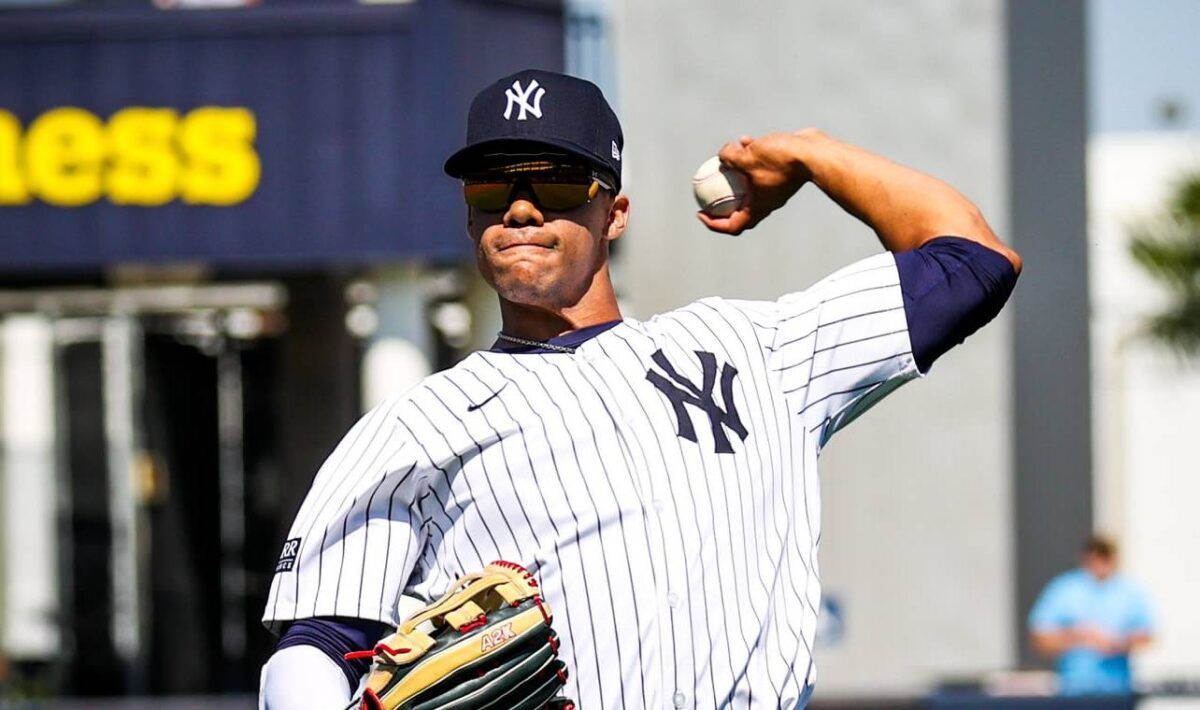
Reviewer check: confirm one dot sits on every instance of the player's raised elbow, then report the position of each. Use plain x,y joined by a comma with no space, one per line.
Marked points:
1008,253
968,222
1003,249
1014,258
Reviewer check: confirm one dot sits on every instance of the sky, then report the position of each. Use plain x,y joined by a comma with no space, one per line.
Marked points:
1140,54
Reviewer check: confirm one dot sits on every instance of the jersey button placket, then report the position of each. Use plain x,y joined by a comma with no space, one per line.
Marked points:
671,601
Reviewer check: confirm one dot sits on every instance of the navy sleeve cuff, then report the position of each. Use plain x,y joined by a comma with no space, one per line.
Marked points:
335,637
952,287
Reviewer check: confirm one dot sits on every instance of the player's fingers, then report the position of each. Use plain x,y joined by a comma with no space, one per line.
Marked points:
740,221
721,225
736,223
712,223
747,140
733,155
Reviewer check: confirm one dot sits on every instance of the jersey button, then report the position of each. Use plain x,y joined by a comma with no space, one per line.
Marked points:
673,602
659,505
680,700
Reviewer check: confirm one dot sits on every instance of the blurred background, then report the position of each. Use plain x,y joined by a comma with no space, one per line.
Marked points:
224,234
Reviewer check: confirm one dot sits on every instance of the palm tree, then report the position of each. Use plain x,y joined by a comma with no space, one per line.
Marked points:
1168,248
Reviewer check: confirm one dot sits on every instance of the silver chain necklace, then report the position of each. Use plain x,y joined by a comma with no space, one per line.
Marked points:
536,343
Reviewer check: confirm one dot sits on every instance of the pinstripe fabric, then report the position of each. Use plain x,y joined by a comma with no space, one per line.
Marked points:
680,575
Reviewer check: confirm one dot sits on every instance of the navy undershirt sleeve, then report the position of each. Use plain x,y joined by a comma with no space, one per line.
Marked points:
336,636
952,287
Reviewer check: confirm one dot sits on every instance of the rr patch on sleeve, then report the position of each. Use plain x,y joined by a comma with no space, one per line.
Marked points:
287,558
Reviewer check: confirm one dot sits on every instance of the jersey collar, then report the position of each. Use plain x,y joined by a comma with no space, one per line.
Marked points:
573,339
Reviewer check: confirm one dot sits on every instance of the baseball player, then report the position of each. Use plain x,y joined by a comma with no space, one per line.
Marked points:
658,477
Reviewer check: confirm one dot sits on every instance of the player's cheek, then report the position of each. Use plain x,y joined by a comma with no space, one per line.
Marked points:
484,264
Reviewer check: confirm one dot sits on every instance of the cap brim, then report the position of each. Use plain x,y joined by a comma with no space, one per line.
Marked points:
479,154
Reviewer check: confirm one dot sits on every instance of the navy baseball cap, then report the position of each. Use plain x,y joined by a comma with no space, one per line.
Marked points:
540,112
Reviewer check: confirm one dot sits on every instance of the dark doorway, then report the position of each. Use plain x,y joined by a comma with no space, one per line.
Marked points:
215,419
215,516
180,386
208,528
92,666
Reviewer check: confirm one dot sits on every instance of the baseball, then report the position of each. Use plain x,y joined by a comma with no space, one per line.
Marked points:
719,190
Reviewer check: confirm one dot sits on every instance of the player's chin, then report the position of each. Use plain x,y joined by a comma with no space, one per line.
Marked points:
529,269
529,289
507,271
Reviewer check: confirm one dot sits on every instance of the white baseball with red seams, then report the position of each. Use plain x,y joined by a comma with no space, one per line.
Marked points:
719,190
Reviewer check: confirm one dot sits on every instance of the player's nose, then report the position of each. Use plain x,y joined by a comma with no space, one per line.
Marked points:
522,212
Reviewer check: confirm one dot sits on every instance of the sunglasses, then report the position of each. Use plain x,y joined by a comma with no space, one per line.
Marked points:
553,191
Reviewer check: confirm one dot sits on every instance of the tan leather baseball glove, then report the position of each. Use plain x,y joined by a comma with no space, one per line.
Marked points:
486,644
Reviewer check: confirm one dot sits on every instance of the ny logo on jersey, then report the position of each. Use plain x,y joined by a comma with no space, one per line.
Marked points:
520,98
682,392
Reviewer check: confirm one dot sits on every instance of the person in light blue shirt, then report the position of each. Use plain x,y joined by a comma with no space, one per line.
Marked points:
1090,619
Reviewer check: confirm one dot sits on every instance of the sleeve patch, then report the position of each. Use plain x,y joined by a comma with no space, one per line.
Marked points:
287,558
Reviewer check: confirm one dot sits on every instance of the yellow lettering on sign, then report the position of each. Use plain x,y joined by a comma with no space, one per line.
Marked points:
12,185
222,167
64,154
144,169
143,156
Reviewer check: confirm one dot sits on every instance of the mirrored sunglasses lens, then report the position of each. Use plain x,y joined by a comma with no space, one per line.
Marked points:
487,196
561,196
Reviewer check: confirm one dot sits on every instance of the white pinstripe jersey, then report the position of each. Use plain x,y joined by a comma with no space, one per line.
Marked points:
661,482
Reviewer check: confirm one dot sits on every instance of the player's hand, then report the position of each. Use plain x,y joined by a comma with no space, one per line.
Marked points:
775,172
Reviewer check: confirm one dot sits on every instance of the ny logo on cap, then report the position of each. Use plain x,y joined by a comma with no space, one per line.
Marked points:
520,97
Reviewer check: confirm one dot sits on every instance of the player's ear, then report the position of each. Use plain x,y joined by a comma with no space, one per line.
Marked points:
618,217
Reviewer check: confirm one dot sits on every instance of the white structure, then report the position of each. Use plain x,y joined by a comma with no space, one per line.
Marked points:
29,519
1147,400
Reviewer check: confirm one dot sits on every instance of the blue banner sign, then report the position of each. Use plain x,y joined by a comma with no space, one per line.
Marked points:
288,136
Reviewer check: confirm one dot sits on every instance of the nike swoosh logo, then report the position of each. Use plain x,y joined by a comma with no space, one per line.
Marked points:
474,407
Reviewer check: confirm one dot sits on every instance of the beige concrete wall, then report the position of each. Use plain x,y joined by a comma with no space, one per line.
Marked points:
917,505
